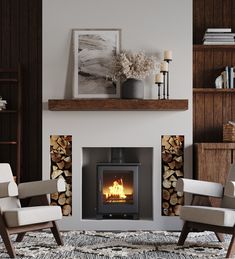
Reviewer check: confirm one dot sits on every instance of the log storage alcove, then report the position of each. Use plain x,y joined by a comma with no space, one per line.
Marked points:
172,170
61,167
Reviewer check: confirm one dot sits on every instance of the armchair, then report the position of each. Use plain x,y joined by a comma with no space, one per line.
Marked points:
17,220
218,220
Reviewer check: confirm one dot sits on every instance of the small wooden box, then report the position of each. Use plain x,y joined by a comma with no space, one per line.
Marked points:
228,133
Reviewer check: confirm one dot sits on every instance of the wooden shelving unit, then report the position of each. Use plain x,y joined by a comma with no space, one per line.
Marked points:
116,105
12,115
212,108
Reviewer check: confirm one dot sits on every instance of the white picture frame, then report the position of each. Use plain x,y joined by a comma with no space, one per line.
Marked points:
93,50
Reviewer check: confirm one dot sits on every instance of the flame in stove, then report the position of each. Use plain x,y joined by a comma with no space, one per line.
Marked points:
116,190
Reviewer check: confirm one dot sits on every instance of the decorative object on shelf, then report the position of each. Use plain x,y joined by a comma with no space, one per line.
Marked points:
172,170
93,50
168,59
226,79
219,82
159,82
133,89
61,167
229,132
132,68
3,104
164,71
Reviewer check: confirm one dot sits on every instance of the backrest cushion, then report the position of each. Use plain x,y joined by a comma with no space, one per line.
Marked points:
229,202
7,176
6,173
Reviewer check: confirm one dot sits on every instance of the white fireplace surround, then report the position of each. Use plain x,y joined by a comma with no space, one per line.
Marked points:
145,25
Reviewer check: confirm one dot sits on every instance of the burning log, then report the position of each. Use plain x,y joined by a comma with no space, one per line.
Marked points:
61,167
172,170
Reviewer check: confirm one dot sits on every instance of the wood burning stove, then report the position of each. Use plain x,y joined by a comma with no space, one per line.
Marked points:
117,190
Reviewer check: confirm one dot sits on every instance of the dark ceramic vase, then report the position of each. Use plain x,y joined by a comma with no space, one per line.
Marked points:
133,89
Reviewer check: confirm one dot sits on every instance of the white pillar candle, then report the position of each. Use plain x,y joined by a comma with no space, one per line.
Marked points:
168,55
159,78
164,66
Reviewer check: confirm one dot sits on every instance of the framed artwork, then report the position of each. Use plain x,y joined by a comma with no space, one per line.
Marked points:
93,51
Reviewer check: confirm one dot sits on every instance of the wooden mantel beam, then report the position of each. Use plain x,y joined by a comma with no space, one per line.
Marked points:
117,105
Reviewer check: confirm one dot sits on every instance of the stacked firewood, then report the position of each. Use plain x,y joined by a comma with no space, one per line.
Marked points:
172,170
61,167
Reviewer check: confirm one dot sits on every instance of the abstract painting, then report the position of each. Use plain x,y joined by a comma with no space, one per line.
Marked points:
93,52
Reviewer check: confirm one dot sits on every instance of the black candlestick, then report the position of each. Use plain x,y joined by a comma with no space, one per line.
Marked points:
164,84
159,90
167,89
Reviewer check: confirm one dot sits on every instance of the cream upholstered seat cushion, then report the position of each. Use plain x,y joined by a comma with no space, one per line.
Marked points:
31,215
208,215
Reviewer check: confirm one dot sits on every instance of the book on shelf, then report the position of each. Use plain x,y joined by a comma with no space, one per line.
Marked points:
220,40
219,36
218,43
224,79
219,30
231,77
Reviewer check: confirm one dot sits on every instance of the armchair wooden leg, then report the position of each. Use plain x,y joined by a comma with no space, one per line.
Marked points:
6,238
184,234
220,237
7,242
231,248
56,234
20,237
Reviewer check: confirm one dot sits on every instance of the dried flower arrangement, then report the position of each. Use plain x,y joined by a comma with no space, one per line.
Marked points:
132,65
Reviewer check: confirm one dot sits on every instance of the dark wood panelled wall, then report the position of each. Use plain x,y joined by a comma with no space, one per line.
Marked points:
21,41
211,109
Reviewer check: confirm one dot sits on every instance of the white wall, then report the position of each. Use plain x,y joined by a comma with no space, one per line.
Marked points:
153,26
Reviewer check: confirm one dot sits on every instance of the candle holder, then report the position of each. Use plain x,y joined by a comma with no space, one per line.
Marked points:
164,83
159,89
167,89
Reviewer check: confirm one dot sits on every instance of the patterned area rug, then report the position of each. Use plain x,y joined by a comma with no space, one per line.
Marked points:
134,245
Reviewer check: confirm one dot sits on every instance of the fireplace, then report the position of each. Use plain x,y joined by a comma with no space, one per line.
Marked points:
117,190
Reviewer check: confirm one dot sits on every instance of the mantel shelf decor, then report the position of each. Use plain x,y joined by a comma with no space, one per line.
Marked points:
117,105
